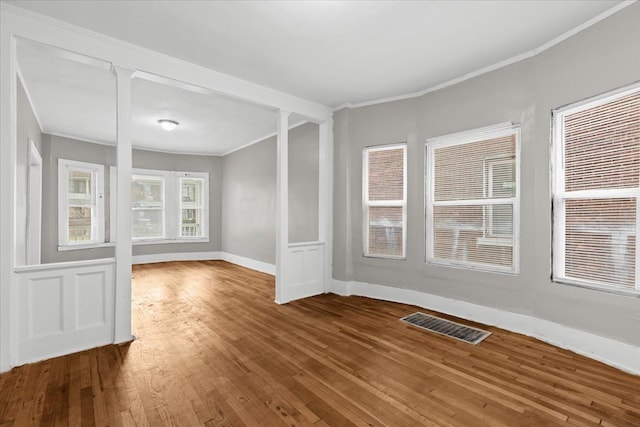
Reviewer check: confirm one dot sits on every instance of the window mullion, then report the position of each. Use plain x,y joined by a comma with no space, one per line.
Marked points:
384,203
475,202
600,193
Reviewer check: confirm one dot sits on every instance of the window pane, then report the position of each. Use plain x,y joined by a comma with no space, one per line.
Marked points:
191,223
499,221
602,145
462,171
386,174
147,223
80,229
600,243
385,226
461,233
501,176
80,187
191,191
147,191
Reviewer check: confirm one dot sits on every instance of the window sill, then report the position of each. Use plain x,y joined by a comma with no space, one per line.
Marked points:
601,288
170,241
64,248
473,266
391,257
135,243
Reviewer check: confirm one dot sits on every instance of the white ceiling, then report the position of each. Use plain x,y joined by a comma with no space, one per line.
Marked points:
333,52
75,96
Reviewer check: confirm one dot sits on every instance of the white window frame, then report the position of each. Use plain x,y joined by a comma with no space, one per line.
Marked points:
173,203
98,217
366,203
559,194
166,178
205,204
491,238
460,138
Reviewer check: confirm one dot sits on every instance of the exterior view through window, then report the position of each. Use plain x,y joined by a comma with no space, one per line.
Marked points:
147,204
192,206
596,185
384,200
472,199
80,203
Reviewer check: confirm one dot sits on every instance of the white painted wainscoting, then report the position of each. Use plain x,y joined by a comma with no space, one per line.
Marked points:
304,276
68,307
63,308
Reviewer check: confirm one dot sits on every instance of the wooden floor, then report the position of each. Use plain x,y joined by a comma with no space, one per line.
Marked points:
213,349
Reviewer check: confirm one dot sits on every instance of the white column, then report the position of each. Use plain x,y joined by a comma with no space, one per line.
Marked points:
8,294
124,253
325,193
282,205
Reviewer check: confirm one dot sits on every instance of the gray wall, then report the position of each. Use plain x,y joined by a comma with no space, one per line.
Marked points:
186,163
56,147
249,195
601,58
27,129
304,151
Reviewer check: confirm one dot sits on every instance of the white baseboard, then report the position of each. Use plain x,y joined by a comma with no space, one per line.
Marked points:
176,256
249,263
615,353
201,256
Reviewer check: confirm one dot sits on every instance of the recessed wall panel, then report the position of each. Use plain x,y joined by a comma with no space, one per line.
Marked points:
91,299
45,306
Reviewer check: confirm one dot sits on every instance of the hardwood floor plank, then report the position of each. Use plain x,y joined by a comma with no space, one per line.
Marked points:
212,349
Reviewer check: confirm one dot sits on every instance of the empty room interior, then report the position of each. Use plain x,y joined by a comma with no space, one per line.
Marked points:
320,213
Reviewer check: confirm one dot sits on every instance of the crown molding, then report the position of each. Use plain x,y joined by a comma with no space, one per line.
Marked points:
514,59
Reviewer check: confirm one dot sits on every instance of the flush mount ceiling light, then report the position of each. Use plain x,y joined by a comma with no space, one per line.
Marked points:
168,125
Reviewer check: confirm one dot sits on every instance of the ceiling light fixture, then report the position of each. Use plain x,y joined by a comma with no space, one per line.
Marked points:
168,125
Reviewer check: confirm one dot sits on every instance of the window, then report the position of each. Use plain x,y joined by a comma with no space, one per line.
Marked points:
472,198
500,183
167,206
148,207
192,207
596,186
80,203
384,201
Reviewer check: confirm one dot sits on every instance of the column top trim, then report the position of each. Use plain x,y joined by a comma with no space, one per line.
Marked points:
122,71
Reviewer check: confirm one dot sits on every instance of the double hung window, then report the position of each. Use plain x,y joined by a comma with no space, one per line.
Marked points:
472,198
148,206
169,206
192,206
385,201
80,202
596,191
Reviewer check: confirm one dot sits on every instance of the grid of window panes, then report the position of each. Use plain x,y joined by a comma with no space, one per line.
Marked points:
191,207
82,205
147,201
